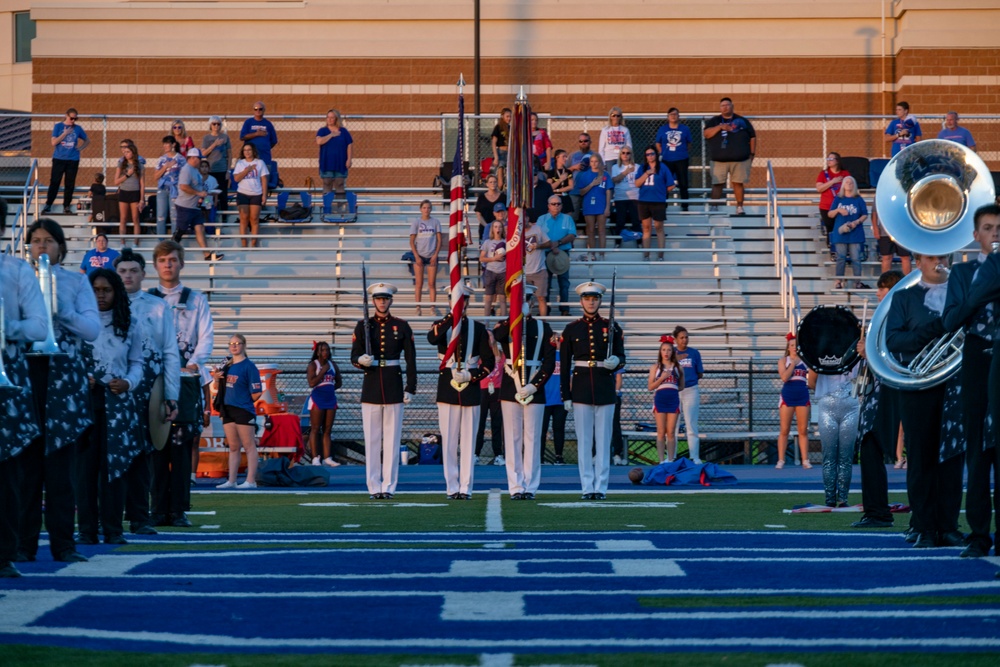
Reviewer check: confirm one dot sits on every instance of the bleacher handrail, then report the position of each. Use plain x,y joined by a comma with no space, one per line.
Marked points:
29,197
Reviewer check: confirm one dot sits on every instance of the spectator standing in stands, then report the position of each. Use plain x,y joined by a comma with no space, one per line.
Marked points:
904,129
130,177
614,136
324,379
952,131
485,204
252,176
887,248
849,212
192,191
425,242
561,180
498,140
561,231
554,408
536,242
260,132
335,153
673,143
489,406
168,170
690,361
732,144
493,257
100,256
98,197
626,194
179,132
654,182
217,149
239,416
828,184
541,144
209,203
595,191
579,163
68,139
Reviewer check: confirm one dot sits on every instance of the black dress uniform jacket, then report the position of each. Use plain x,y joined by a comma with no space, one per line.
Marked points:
439,335
537,375
391,338
962,311
586,339
910,325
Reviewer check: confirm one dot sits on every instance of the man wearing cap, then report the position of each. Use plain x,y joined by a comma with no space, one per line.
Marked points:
561,231
587,382
523,404
190,191
383,393
458,394
260,132
160,358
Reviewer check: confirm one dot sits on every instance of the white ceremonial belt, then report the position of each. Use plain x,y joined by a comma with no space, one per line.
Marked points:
469,367
529,364
593,363
386,362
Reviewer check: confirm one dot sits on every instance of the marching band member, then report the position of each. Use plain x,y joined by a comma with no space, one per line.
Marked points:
458,395
794,401
837,414
114,365
159,358
383,393
524,406
588,386
24,321
62,403
172,465
914,319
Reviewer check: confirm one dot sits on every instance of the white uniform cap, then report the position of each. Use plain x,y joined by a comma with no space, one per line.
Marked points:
381,289
597,289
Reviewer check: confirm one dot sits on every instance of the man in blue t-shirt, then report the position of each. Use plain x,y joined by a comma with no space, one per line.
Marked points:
99,257
259,131
579,162
561,230
952,131
673,142
903,130
68,139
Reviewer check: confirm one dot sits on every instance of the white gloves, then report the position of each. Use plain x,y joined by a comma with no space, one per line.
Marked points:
461,376
845,228
366,360
490,388
568,405
407,397
611,363
526,391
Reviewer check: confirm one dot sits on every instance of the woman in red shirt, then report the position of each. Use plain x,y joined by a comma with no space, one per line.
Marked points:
828,186
541,144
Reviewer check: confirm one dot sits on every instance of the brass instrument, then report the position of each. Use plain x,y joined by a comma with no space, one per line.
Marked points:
5,382
47,283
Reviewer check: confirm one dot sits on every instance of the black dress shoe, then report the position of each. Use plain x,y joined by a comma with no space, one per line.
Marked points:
453,496
952,538
517,496
600,496
181,521
87,539
870,522
465,496
143,529
910,536
925,540
386,496
587,496
529,496
8,571
71,556
975,550
115,539
159,520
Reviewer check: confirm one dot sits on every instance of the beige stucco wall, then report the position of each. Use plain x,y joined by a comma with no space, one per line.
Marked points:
15,79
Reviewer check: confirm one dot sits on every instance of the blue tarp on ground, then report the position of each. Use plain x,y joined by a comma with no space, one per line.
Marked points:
684,471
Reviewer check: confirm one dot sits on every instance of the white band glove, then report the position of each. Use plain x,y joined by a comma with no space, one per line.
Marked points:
611,363
461,376
568,405
845,228
366,360
407,397
526,391
490,388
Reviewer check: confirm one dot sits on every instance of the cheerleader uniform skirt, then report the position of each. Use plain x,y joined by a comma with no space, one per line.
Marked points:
667,401
794,395
323,397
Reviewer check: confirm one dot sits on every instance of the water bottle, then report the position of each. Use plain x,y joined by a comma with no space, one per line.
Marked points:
404,455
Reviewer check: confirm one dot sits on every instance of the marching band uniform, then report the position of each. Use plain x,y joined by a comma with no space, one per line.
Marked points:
458,410
171,496
522,424
101,465
62,402
878,430
25,321
588,381
382,391
159,357
913,320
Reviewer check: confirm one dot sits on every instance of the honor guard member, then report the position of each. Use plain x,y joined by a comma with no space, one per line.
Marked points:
160,360
458,395
914,319
23,320
172,465
587,377
523,406
382,391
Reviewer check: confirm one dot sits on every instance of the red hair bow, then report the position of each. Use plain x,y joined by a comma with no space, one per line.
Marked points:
315,343
667,339
789,336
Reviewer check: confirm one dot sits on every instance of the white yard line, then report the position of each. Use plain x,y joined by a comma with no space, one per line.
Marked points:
494,520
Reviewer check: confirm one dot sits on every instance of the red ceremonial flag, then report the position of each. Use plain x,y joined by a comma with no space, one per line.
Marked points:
456,237
521,188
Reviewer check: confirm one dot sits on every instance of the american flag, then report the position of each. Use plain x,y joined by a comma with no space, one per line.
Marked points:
456,235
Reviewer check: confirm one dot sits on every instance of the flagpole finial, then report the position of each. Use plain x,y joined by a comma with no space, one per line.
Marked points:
461,82
521,97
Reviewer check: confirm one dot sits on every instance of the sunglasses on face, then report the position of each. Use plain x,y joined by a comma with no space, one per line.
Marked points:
258,108
71,117
616,115
178,127
216,123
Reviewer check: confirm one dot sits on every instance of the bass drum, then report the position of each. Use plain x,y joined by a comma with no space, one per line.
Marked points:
828,338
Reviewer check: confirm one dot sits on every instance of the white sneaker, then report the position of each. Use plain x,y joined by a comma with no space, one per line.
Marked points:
498,461
697,462
330,463
247,485
316,461
617,460
226,485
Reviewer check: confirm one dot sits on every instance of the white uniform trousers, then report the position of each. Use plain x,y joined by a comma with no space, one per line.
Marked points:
458,430
690,407
383,425
594,421
522,437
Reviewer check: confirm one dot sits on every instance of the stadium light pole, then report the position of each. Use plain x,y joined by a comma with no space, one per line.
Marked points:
476,78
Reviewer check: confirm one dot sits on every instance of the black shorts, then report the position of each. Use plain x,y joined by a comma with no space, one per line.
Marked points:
889,248
188,218
655,210
249,200
234,415
129,196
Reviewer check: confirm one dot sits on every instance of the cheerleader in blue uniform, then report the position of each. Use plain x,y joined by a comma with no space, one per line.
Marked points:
324,378
666,380
794,401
